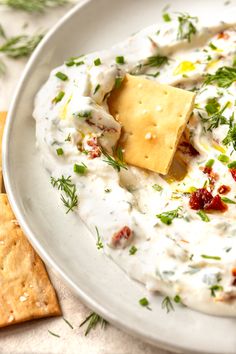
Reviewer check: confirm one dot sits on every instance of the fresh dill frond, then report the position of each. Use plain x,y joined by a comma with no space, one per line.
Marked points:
186,28
231,134
20,46
93,319
54,334
118,163
223,77
2,32
167,304
70,200
2,68
156,61
32,5
216,119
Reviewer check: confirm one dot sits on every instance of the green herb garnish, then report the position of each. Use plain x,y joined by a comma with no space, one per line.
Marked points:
215,288
118,163
59,97
61,76
68,138
227,200
96,89
203,215
132,250
60,151
54,334
215,119
168,216
223,158
83,114
210,163
216,258
32,5
20,46
93,319
65,185
166,17
186,27
212,106
80,169
118,82
68,323
212,46
97,62
99,243
231,134
120,60
177,299
157,187
156,61
167,304
2,68
232,164
107,190
223,77
144,302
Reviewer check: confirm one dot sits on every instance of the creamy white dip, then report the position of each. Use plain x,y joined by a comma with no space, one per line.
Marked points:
188,257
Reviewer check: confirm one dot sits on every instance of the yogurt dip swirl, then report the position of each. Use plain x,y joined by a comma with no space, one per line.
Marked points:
178,237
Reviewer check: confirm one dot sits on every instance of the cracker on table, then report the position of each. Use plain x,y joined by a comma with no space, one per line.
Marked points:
25,289
153,117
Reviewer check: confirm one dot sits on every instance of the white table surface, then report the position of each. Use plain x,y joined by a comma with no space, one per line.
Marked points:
33,337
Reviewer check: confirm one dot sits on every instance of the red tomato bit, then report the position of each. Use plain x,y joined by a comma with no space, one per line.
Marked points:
203,199
224,189
233,173
122,237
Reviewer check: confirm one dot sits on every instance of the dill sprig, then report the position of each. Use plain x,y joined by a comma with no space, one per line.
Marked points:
223,77
2,68
69,188
117,163
156,61
186,27
93,319
167,304
215,119
231,134
20,46
32,5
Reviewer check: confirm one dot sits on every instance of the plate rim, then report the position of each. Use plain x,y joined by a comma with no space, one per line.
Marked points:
28,231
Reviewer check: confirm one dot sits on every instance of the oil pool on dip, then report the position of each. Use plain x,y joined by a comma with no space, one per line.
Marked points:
175,232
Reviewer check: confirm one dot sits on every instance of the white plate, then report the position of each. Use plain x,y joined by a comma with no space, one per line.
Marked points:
62,240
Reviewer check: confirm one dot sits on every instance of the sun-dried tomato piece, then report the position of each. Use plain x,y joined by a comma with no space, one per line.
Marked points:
234,272
95,151
223,35
233,173
122,237
216,204
200,198
224,189
203,199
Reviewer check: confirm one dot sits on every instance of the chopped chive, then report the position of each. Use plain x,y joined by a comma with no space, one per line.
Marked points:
223,158
215,288
118,82
96,89
212,46
107,190
80,169
144,302
210,163
167,304
203,215
97,62
61,76
216,258
157,187
120,60
232,164
59,97
177,299
227,200
79,63
133,250
166,17
60,151
70,62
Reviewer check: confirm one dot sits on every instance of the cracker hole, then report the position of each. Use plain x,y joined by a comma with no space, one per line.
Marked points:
146,157
165,93
140,102
154,124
